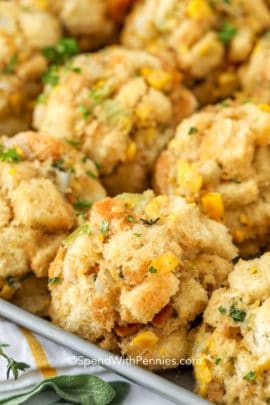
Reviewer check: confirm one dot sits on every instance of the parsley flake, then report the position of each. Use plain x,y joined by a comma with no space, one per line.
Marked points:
53,280
84,111
251,376
222,310
227,33
86,229
10,155
73,143
152,270
238,315
81,205
217,361
131,219
192,131
9,69
91,174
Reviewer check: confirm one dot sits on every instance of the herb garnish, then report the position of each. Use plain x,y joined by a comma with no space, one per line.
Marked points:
13,366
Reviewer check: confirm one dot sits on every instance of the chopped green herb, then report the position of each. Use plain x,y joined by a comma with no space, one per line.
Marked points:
73,143
238,315
69,66
131,219
59,164
13,366
98,166
192,130
227,1
81,205
86,229
152,270
217,361
91,174
53,280
137,234
222,310
95,276
63,50
105,226
251,376
225,104
227,33
71,238
9,69
84,111
85,158
42,98
150,221
51,76
10,155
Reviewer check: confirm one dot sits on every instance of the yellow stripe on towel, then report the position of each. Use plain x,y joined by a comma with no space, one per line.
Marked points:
39,354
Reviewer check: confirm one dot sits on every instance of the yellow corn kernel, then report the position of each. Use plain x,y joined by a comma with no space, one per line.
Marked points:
188,177
19,150
42,4
145,339
101,237
204,49
165,263
153,207
213,206
157,78
238,236
183,49
253,270
211,346
12,171
149,134
131,151
265,107
76,185
143,112
202,370
199,9
7,292
172,217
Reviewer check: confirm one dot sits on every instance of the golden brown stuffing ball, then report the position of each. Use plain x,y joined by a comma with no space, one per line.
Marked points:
206,39
220,159
22,37
255,76
232,347
134,276
44,183
121,107
95,22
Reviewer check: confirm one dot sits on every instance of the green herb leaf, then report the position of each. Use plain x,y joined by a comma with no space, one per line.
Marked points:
236,181
73,143
150,221
80,389
152,270
225,104
82,205
251,376
63,50
91,174
9,69
84,111
10,155
238,315
11,282
86,229
217,361
137,234
13,367
51,76
105,226
222,310
227,33
131,219
192,131
54,280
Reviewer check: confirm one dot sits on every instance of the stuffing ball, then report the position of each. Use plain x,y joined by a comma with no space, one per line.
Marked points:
22,37
121,107
134,276
232,347
95,22
219,158
43,184
255,76
207,40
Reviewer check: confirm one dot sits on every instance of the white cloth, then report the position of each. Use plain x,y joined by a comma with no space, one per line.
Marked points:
47,359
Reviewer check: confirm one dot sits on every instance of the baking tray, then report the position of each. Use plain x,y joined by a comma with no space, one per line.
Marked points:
173,385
